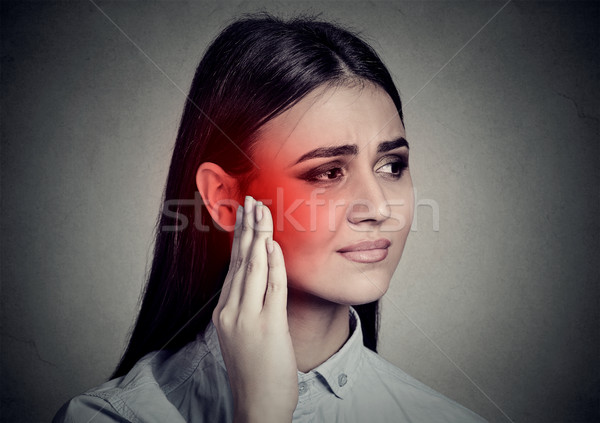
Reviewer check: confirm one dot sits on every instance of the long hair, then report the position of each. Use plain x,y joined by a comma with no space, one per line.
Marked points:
256,68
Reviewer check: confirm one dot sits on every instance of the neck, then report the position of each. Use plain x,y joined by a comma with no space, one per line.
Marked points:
318,328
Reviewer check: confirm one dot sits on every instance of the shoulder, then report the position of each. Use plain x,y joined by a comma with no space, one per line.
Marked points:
390,373
83,408
148,393
413,397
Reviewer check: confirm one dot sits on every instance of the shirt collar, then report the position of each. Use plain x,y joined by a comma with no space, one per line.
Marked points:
340,370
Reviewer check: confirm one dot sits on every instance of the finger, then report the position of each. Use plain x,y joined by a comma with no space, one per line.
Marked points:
233,260
246,236
276,293
237,233
248,225
255,282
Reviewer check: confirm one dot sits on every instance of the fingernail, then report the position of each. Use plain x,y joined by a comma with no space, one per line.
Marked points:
248,204
259,211
269,245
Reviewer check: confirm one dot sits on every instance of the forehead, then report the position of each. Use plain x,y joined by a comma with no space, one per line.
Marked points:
363,115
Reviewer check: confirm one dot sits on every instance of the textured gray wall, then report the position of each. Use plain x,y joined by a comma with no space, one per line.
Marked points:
497,308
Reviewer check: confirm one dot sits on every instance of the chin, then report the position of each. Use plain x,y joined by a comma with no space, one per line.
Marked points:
353,291
366,297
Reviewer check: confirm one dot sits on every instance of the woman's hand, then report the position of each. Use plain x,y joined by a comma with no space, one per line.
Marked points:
251,321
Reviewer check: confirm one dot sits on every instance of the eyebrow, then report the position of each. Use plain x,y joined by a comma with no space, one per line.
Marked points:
350,149
392,145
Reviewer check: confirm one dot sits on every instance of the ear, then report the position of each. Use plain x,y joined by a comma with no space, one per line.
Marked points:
218,190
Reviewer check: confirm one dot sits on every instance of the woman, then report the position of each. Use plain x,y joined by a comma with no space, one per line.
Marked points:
269,312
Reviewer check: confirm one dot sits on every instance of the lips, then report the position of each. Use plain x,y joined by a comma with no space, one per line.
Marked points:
366,251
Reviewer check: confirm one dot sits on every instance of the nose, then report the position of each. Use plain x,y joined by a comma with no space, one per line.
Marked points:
369,205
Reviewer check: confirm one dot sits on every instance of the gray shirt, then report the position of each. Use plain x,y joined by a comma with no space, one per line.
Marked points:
191,385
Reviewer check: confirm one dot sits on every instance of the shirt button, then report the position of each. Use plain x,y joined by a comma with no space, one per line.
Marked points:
342,379
302,388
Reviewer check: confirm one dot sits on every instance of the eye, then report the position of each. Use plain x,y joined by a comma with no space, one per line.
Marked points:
329,175
394,167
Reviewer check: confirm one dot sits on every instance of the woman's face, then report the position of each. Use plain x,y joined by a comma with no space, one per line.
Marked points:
334,173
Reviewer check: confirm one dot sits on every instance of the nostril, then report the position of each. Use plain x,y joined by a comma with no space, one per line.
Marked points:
387,212
365,210
361,209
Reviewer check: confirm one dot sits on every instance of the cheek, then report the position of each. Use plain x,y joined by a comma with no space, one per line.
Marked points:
402,212
303,218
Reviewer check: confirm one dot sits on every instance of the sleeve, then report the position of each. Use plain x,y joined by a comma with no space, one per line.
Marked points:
88,409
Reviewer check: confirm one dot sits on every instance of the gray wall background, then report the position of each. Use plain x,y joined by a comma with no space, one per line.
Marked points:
497,308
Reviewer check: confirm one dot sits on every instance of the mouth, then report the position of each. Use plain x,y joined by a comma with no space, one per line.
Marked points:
366,251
